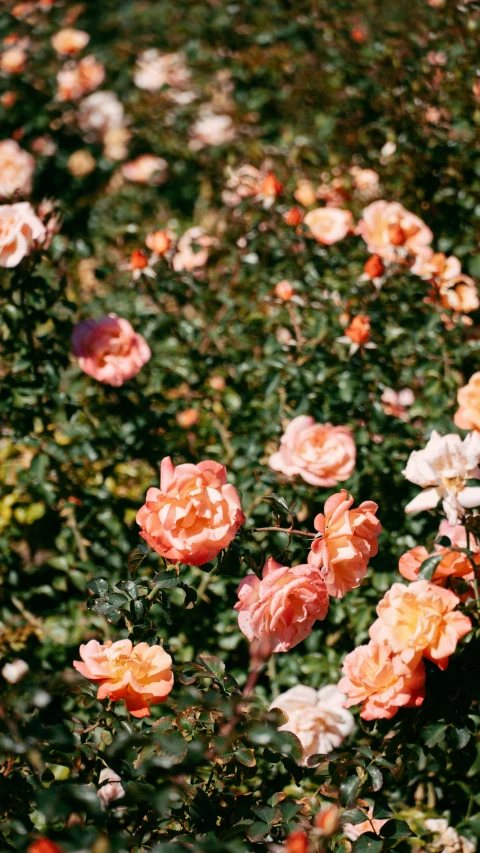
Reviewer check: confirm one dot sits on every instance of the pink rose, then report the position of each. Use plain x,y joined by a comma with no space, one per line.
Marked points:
329,224
321,454
348,540
193,515
109,349
420,619
145,169
391,231
468,414
283,606
316,717
380,680
19,228
16,169
77,79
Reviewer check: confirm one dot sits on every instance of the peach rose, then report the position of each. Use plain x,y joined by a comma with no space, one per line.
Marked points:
316,717
193,515
348,540
154,70
366,181
77,79
13,60
159,242
69,41
359,329
329,224
19,229
454,564
420,619
284,290
145,169
140,674
283,606
321,454
392,232
16,169
192,250
436,267
109,349
380,680
460,295
243,182
468,414
211,129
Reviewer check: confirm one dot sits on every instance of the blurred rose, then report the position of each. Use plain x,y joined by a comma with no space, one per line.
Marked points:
283,606
210,129
316,717
396,403
284,290
374,267
109,349
154,70
138,674
159,242
187,418
19,229
16,670
68,41
359,329
391,231
321,454
379,680
243,182
305,193
13,60
460,295
99,113
468,414
348,539
293,216
115,143
442,469
329,224
366,181
147,168
193,515
420,619
77,79
111,787
16,169
192,250
269,188
81,163
44,845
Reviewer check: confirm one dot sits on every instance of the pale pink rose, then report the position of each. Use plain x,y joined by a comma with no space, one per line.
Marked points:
243,182
193,515
321,454
442,468
316,717
283,606
145,169
468,414
19,229
381,682
329,224
111,787
436,266
397,403
154,70
99,113
392,232
355,830
420,619
109,349
16,670
16,169
366,181
192,250
77,79
211,129
69,41
348,539
140,674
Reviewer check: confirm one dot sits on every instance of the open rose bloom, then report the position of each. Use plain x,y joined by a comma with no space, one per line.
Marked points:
147,168
454,564
20,227
321,454
316,717
109,349
392,232
329,224
379,680
420,619
468,414
442,468
77,79
141,674
193,515
16,169
348,539
282,607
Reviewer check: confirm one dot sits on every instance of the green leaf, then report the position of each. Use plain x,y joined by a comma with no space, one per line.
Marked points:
245,756
99,587
376,777
458,737
166,580
268,814
427,569
395,829
353,816
348,791
213,665
434,733
258,830
130,587
367,843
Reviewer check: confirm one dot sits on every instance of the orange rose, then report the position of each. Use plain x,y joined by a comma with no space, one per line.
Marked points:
329,224
193,515
420,619
359,329
321,454
468,415
138,674
380,680
159,242
348,540
69,41
392,232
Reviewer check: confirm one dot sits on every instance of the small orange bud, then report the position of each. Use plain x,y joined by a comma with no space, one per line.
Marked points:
297,842
138,260
270,186
359,329
359,34
293,216
374,267
187,418
159,242
284,290
217,382
396,234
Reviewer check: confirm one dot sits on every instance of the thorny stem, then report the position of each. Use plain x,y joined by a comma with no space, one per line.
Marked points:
288,530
